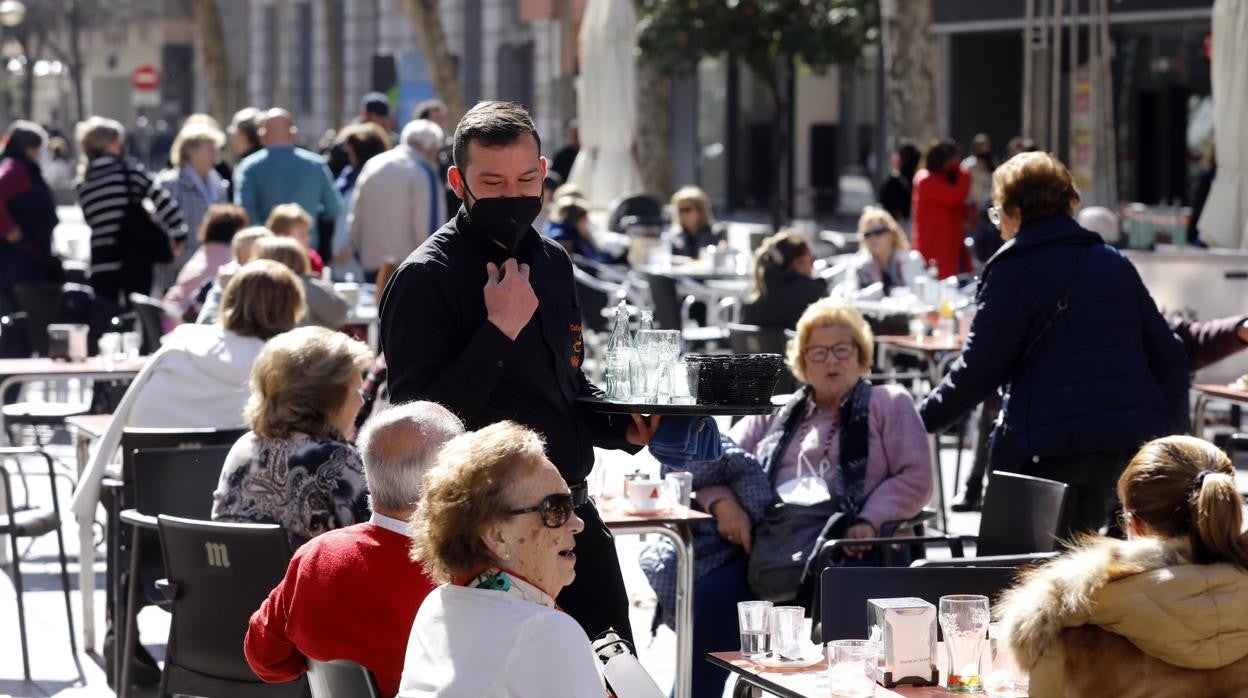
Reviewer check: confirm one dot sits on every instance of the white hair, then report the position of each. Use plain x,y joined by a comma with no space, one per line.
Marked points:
1101,221
398,444
423,135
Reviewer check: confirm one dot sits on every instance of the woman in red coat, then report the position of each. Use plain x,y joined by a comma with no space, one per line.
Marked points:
938,209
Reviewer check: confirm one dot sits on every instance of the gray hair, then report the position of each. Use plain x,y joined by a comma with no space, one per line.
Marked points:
423,135
398,445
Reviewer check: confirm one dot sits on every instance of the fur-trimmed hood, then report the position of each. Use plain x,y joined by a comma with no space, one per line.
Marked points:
1146,590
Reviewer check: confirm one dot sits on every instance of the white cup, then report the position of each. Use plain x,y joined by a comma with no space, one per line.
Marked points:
645,494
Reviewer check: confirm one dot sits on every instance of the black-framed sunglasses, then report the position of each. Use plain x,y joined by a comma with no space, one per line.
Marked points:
555,509
875,232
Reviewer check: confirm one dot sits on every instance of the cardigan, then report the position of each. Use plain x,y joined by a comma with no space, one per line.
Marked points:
347,594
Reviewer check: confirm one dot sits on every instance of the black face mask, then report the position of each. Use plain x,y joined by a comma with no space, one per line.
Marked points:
504,219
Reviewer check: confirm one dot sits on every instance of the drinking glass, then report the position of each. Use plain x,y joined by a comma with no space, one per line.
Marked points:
964,621
645,373
110,342
1006,679
680,490
754,623
132,343
851,668
684,381
786,631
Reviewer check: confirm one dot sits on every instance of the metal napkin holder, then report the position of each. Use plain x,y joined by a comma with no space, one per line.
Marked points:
906,631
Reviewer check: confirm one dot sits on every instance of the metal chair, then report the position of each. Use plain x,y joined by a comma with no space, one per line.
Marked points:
172,481
1021,517
845,590
150,314
341,678
218,574
19,523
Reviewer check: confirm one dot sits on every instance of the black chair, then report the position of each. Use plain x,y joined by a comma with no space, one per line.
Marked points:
37,305
1021,517
341,678
642,208
845,591
673,311
151,315
17,523
179,482
218,575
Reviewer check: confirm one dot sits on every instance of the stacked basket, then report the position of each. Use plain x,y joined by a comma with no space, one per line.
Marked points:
736,379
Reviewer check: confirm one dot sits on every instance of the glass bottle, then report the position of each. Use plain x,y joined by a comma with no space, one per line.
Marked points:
619,356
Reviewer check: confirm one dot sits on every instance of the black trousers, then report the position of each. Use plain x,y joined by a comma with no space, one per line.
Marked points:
1092,477
596,598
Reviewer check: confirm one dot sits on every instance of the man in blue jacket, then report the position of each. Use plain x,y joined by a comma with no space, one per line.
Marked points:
1088,367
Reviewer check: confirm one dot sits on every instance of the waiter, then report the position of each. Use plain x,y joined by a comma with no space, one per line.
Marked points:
483,318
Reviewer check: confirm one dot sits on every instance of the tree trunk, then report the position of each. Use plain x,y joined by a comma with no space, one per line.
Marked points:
654,152
75,54
216,60
281,76
28,75
776,77
333,56
908,64
428,24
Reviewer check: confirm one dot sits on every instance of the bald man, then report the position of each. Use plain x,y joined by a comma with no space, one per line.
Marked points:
284,174
353,593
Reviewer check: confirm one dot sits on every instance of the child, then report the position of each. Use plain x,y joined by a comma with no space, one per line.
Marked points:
290,220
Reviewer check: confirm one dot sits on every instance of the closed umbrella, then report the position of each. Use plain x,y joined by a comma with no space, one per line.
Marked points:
604,168
1224,222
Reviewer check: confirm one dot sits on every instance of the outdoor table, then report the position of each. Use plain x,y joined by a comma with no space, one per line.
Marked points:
810,682
937,353
87,428
1206,392
674,525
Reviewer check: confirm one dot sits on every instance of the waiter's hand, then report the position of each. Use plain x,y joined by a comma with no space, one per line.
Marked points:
642,429
509,298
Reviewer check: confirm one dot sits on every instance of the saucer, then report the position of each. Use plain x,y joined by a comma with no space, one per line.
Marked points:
771,661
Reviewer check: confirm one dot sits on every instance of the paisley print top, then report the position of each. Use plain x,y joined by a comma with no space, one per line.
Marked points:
306,484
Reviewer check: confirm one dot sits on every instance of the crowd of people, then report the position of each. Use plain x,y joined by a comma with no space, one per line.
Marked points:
454,533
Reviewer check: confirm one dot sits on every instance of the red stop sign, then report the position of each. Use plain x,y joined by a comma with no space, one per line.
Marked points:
145,77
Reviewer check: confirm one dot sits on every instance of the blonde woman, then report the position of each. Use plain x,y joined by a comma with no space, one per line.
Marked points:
297,467
695,225
784,286
193,180
883,252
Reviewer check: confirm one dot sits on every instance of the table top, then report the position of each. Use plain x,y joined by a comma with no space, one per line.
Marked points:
1225,392
928,344
610,407
90,425
810,682
39,367
615,515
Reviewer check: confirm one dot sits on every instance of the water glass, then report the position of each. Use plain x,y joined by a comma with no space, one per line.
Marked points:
645,369
964,621
110,342
132,344
851,668
754,623
1007,679
786,631
679,490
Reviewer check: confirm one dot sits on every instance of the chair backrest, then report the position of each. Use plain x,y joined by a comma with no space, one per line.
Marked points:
151,316
177,481
594,297
845,591
135,439
39,302
341,678
221,573
1021,514
640,206
666,301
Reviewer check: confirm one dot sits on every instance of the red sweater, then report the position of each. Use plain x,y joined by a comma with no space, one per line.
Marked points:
348,594
938,215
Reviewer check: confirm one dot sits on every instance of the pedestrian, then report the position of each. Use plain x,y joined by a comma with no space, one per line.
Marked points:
483,318
895,190
27,218
283,173
938,202
194,183
361,143
398,200
565,157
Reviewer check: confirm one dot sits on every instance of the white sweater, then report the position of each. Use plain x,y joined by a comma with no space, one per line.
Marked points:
480,643
198,379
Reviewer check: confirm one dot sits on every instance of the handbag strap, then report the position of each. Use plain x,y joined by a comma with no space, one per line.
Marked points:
1063,303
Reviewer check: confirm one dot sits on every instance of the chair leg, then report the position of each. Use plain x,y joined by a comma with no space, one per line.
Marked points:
132,620
21,605
957,461
69,608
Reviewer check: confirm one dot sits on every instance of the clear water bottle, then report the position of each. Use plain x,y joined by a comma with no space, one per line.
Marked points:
619,356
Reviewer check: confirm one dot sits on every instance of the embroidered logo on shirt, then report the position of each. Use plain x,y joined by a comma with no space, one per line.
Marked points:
578,343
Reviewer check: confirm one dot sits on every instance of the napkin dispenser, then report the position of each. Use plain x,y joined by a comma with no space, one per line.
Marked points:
67,342
906,631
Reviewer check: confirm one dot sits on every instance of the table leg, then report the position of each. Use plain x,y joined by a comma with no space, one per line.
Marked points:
86,584
82,450
1198,418
682,540
934,376
4,441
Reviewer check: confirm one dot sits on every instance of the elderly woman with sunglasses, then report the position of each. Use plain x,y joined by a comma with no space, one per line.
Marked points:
496,528
884,254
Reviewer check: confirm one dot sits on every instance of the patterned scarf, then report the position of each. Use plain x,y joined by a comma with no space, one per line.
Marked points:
496,579
855,432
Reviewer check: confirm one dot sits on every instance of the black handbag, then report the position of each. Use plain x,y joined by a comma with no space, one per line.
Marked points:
144,242
784,544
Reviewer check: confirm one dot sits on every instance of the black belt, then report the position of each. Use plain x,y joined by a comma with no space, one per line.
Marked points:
580,493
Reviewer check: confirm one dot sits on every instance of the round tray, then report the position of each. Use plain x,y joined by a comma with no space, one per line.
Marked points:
606,406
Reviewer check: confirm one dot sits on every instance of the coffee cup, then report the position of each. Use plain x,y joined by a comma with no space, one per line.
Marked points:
645,494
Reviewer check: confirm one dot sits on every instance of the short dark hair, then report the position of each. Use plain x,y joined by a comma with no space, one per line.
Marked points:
492,124
422,110
221,222
939,153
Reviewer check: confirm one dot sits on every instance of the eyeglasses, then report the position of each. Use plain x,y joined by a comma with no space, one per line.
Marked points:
875,232
994,215
555,509
685,209
817,355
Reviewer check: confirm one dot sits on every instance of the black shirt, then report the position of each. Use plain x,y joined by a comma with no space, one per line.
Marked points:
439,346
